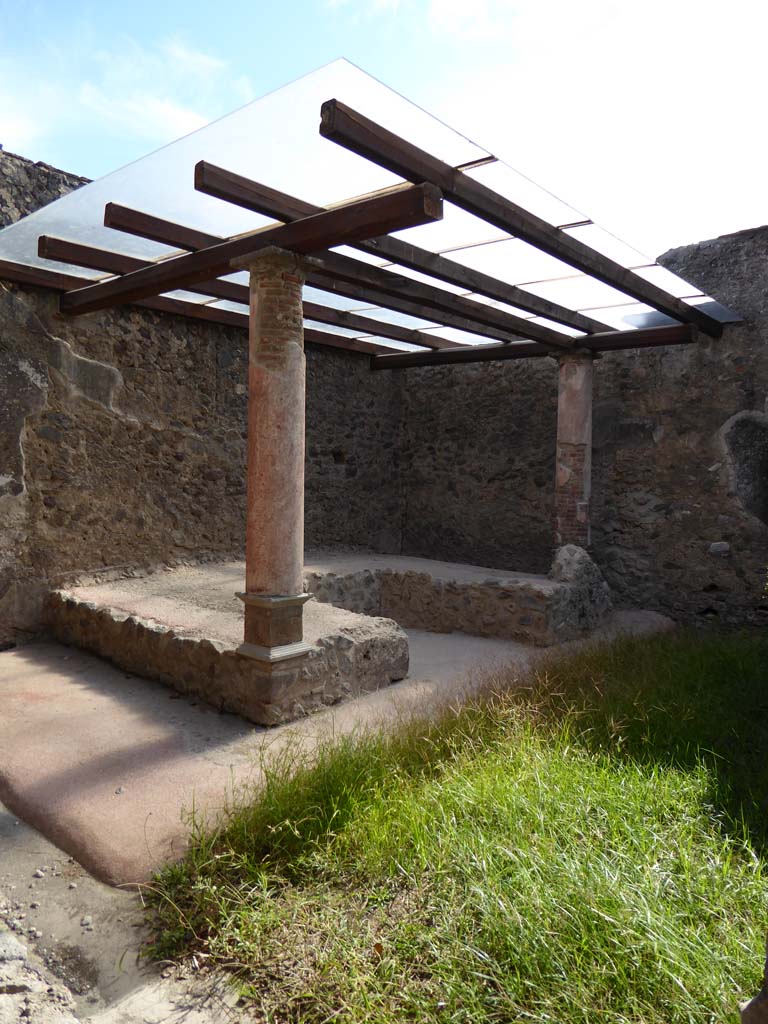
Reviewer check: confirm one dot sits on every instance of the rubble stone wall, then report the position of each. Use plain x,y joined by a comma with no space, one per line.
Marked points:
680,456
479,463
122,438
568,603
25,186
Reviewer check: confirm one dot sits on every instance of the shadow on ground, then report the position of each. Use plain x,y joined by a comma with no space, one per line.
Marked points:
677,700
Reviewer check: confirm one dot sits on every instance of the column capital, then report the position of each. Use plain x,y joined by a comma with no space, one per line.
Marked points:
272,259
576,355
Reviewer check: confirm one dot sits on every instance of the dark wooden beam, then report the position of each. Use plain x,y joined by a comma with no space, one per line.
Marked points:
252,195
234,188
40,277
467,354
652,337
367,325
146,226
336,341
407,208
646,337
432,299
411,307
232,319
383,286
354,131
80,255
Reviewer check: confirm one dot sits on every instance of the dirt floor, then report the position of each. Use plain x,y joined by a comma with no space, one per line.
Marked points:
69,948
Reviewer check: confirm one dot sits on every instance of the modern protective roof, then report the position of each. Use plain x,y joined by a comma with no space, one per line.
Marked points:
275,141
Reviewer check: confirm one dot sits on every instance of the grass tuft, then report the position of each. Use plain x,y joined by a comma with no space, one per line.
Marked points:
587,847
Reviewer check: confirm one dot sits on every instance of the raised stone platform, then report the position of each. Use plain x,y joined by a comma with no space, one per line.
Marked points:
446,597
183,626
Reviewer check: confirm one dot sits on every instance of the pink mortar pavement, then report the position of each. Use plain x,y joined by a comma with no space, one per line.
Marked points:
108,765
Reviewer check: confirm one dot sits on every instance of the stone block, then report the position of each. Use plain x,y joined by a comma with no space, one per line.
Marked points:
349,654
541,610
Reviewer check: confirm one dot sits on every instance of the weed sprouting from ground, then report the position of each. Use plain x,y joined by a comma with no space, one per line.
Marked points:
589,847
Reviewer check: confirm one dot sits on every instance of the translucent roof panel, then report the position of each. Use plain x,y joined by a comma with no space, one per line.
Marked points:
512,261
275,141
668,281
459,337
324,298
609,245
396,346
345,332
630,315
184,296
562,328
521,190
229,307
457,228
416,275
504,306
357,254
391,316
578,292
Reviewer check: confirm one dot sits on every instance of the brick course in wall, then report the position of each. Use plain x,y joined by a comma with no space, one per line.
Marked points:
572,511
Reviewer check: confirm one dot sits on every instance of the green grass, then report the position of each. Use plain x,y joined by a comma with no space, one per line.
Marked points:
589,848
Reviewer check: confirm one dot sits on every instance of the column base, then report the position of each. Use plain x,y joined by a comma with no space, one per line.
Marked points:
275,655
274,627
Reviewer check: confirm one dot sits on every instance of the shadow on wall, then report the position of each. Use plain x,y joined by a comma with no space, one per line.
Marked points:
745,437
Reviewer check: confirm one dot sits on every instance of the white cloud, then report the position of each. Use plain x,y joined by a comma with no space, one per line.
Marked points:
18,131
28,109
481,19
149,94
143,115
191,61
646,116
368,8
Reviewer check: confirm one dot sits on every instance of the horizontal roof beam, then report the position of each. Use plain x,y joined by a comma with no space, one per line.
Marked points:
652,337
411,307
404,208
432,299
252,195
77,254
157,229
145,225
41,277
354,131
384,282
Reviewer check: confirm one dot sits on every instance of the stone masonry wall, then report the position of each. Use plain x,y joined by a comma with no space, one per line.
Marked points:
680,456
122,438
122,442
479,462
25,186
674,528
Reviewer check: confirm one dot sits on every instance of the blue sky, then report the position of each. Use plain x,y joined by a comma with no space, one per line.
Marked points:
649,115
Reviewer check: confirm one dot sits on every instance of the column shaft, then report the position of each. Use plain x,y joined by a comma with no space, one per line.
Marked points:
573,476
275,474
